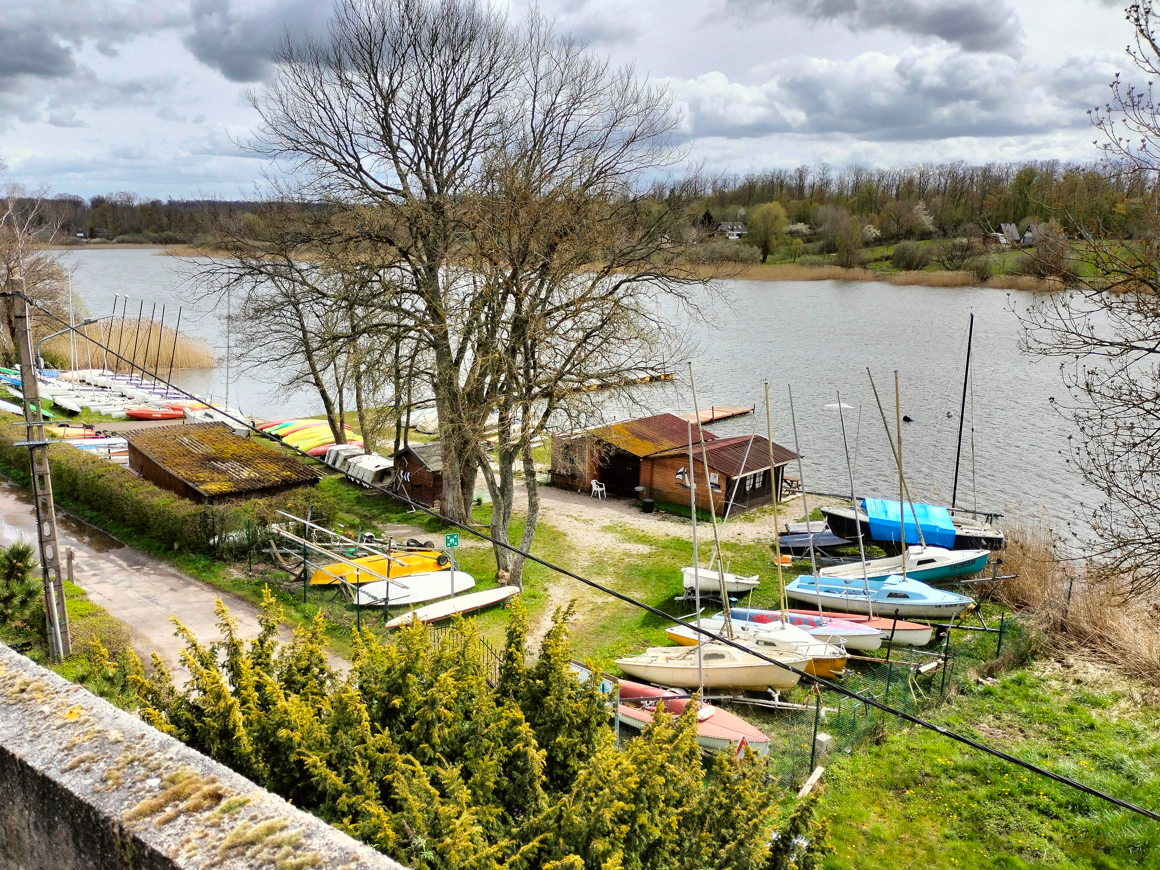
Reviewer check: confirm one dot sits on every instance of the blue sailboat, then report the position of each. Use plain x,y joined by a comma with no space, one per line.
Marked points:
888,595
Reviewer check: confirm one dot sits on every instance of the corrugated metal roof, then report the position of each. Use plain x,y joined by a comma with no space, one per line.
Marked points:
215,462
726,454
648,435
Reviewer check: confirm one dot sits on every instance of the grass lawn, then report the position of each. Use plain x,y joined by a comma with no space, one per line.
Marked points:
918,800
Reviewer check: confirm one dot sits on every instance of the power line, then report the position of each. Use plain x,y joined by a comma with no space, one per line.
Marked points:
834,687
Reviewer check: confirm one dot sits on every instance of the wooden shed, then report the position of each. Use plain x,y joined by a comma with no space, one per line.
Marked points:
652,453
208,463
419,473
739,471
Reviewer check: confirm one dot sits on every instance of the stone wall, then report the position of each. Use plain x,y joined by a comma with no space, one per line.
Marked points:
85,786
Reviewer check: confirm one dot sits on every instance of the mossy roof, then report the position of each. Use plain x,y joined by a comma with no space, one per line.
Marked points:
215,462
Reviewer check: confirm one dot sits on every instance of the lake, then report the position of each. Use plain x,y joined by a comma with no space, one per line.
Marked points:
818,337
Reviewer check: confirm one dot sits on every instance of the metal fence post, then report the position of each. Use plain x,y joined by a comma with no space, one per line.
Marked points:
817,715
889,674
946,663
999,645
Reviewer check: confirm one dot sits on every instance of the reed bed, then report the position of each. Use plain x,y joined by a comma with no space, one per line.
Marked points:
1074,611
804,272
150,346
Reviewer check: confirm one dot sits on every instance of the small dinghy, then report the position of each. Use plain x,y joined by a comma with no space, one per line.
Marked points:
894,594
458,605
413,588
898,632
717,728
710,582
154,414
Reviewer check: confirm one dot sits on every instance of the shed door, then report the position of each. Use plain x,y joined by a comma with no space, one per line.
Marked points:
620,473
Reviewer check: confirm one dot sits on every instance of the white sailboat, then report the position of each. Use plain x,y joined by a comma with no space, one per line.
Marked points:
715,665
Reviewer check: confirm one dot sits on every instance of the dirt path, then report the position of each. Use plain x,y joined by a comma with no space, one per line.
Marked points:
139,590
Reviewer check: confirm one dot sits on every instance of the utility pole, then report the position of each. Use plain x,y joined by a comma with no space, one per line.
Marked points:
54,600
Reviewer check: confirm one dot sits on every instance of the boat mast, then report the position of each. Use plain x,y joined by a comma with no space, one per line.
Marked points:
901,483
712,511
696,565
173,353
898,461
776,526
805,505
854,499
962,411
736,487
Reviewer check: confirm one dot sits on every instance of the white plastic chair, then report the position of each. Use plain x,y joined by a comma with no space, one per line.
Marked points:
598,489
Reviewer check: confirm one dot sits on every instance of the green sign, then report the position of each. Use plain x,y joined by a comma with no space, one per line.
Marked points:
451,540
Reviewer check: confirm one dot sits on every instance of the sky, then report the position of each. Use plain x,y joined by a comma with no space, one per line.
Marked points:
150,96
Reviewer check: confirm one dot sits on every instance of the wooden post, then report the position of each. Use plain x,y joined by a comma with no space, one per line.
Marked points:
54,599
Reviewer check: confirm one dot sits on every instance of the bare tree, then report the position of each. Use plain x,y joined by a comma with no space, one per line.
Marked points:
1106,332
494,172
27,265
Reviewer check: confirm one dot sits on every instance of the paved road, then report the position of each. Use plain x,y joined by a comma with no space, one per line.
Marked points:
136,588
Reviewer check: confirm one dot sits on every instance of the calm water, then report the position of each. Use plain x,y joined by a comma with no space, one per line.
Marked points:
819,337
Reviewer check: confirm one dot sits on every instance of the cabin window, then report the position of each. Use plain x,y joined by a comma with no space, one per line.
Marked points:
748,482
758,480
926,561
711,656
897,595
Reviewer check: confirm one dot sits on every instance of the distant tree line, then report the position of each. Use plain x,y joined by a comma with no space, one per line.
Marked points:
941,200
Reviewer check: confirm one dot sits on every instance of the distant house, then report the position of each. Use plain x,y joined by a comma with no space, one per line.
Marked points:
1010,232
730,230
1031,235
648,458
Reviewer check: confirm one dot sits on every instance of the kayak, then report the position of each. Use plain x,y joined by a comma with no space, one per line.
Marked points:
154,414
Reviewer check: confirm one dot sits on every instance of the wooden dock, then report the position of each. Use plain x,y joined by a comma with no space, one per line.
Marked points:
717,413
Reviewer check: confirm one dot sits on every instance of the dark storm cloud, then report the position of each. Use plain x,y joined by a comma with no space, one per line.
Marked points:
33,51
972,25
240,41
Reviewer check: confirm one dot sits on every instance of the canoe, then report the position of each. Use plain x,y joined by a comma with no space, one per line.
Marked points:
825,659
904,633
270,424
299,426
325,438
275,428
460,604
154,414
710,582
398,564
922,563
722,667
10,407
414,588
853,635
906,597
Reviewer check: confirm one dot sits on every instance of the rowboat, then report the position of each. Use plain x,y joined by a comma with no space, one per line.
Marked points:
854,635
322,449
398,564
710,582
721,667
910,598
894,631
922,563
413,588
458,605
825,659
717,729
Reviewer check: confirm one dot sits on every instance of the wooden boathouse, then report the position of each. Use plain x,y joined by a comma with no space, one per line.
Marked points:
208,463
648,458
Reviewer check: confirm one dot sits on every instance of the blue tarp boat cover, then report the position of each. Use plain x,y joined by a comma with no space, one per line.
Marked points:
935,522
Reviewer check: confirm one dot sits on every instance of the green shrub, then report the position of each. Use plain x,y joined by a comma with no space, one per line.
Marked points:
114,492
910,257
20,591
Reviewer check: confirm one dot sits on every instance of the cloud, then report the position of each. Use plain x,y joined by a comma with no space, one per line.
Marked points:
240,43
33,51
65,117
928,93
969,24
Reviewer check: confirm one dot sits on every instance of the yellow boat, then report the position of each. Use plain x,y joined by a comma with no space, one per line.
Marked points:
398,564
295,438
326,437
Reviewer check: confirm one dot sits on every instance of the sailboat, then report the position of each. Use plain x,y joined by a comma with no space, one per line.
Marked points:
715,665
830,628
927,564
894,594
825,659
877,521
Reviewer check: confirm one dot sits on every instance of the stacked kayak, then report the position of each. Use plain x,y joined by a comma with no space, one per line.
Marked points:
311,436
